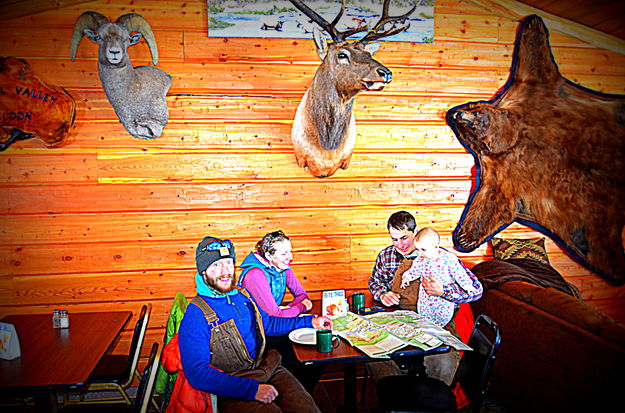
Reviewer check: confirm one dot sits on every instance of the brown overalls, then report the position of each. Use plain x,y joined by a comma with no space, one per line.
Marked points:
229,354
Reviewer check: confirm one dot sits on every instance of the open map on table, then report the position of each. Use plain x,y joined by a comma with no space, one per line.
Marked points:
379,334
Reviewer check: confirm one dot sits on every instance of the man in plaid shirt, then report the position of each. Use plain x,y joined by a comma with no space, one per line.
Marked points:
402,228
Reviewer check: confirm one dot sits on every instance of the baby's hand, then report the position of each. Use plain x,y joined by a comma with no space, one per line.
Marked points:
405,280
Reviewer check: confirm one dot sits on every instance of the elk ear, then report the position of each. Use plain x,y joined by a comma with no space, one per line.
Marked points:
372,47
321,42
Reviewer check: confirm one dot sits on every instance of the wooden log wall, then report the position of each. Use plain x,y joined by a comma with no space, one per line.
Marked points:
111,222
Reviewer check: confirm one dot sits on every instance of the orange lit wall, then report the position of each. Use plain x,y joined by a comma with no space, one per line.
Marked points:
109,221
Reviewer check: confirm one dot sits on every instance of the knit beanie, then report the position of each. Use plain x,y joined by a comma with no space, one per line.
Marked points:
212,249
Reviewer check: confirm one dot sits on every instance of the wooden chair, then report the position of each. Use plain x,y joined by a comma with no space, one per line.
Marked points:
409,393
142,399
116,372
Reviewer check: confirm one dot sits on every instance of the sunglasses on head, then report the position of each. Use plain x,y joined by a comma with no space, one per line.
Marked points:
276,234
217,245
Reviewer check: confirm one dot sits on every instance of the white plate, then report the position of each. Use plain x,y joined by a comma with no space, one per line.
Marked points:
304,336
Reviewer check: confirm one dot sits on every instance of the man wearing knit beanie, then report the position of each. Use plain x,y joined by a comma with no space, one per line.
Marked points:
222,341
211,251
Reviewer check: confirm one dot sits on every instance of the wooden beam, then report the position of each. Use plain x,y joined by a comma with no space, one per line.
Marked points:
516,10
20,8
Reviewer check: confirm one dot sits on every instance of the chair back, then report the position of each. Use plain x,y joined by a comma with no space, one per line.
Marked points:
138,336
146,384
475,366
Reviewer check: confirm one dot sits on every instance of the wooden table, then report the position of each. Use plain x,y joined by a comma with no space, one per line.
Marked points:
349,355
59,358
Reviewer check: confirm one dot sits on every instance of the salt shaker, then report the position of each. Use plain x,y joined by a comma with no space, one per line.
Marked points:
64,319
56,319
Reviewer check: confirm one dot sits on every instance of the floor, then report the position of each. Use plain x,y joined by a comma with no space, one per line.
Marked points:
328,395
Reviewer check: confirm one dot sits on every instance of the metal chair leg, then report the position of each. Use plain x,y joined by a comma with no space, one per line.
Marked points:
365,379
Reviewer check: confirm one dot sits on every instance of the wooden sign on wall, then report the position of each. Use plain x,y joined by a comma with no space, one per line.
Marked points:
30,107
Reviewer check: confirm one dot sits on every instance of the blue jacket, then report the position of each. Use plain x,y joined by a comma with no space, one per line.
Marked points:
194,338
276,279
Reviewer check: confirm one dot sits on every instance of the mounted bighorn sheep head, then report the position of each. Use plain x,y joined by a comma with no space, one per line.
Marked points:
324,129
137,94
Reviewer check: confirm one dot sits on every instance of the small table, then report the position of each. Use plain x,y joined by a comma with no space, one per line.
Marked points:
349,355
59,358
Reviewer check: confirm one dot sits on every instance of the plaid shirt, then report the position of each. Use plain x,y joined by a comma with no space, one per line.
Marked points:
386,264
383,273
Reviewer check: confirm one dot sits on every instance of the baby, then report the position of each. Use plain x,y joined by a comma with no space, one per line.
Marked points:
445,281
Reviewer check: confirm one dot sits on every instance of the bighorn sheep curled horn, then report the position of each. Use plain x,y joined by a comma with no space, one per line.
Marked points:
137,94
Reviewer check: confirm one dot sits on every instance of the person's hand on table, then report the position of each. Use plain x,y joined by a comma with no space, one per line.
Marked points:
390,298
266,393
307,303
432,286
322,322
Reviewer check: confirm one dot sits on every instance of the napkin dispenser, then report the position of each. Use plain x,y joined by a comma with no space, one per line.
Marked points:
9,343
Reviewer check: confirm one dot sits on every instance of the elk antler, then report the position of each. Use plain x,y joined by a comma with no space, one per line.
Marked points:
375,33
337,35
340,36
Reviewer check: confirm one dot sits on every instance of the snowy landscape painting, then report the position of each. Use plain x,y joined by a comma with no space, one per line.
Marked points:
280,19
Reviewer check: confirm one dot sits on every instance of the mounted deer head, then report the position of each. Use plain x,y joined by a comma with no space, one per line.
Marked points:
324,129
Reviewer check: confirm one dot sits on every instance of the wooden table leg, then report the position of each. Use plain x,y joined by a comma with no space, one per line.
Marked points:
349,387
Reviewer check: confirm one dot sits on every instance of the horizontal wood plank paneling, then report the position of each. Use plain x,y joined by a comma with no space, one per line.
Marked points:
219,107
48,166
268,164
109,198
108,221
139,256
238,77
142,227
53,43
200,134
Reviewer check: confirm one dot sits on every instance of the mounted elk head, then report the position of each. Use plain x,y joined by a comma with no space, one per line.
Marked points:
323,131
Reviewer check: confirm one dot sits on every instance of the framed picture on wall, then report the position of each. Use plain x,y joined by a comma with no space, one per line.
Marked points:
280,18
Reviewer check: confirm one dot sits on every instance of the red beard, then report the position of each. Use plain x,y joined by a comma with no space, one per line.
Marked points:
215,285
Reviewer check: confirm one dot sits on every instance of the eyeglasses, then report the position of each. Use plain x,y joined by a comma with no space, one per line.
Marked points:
276,234
218,245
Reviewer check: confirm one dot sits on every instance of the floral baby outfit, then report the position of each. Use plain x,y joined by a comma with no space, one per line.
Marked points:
459,284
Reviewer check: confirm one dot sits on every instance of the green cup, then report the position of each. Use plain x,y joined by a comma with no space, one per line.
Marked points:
325,340
358,302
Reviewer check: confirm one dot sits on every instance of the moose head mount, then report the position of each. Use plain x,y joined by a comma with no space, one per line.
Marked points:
324,128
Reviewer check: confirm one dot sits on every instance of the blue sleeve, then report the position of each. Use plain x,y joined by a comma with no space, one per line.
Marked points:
279,326
194,340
